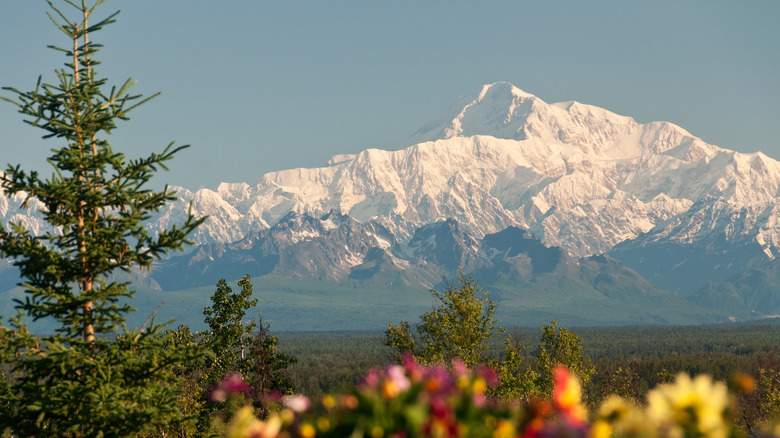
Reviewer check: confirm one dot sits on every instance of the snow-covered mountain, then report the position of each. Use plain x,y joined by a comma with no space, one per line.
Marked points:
577,176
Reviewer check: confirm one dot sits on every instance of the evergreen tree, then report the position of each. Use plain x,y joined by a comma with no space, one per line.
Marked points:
268,364
92,377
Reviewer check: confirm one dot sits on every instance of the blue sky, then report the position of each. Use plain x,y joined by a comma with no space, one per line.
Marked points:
257,86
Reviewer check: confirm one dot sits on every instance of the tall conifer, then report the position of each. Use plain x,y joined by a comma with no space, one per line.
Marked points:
92,377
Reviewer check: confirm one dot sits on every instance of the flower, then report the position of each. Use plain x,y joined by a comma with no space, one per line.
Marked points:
245,425
438,380
743,383
567,396
306,430
414,371
371,379
621,418
296,403
691,406
601,429
538,413
328,401
231,384
397,375
504,429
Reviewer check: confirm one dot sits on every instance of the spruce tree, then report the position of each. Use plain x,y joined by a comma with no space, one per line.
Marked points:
92,377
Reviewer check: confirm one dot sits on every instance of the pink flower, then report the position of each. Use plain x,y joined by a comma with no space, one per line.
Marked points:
296,403
490,375
371,380
231,384
438,380
459,368
479,400
397,375
413,369
234,384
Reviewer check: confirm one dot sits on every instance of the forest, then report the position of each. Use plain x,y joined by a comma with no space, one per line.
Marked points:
326,361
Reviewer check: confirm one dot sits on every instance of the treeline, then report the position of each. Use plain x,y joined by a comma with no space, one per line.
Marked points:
718,350
628,361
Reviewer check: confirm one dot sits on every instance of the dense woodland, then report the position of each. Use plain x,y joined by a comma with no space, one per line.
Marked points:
628,360
719,350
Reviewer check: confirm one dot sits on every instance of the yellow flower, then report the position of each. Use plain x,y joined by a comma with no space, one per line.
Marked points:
504,429
600,429
615,409
245,425
287,416
323,424
307,430
479,385
623,418
698,405
390,390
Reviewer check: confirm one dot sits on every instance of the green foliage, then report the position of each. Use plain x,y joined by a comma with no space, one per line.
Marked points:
240,348
193,382
769,384
326,361
462,325
245,347
268,365
5,394
459,328
516,380
559,346
91,377
622,381
228,332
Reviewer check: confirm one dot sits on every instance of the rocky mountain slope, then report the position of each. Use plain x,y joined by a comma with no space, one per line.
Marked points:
753,292
528,279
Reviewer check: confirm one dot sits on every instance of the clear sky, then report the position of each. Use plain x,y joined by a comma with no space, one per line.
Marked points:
256,86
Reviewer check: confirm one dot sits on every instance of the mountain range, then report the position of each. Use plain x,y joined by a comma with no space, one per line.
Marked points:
622,209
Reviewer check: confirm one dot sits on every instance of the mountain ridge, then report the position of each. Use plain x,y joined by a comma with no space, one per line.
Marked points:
579,177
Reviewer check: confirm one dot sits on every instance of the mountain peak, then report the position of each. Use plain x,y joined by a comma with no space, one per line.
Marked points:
504,111
503,88
498,109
